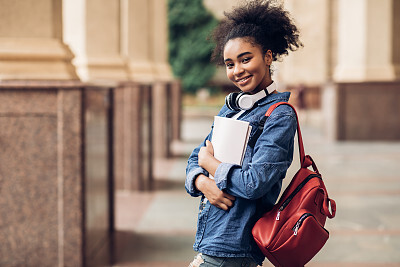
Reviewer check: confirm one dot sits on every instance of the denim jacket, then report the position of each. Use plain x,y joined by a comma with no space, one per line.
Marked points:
256,184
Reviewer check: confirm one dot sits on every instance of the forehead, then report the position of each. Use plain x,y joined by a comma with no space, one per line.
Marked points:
237,46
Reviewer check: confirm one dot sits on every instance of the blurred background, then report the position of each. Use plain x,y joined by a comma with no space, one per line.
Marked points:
102,101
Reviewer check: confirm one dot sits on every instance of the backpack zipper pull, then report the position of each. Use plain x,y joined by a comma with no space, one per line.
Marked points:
278,215
296,229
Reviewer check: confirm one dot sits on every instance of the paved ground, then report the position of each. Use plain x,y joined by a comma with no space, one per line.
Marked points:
157,228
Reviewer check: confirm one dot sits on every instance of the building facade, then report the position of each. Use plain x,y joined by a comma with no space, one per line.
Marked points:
87,102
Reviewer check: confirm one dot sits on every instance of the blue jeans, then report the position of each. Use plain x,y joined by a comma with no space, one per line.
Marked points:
202,260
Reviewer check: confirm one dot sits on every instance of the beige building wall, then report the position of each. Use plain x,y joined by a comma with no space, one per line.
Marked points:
76,82
308,65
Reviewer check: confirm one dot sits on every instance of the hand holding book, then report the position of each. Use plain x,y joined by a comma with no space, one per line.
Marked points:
230,139
207,160
207,186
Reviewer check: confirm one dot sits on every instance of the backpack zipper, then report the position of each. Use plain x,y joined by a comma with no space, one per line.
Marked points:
300,222
291,196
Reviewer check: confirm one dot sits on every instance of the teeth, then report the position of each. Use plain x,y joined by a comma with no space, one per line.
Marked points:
244,79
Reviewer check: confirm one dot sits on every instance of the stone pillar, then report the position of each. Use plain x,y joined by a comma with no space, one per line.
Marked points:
366,71
31,45
58,173
176,110
366,41
159,37
146,47
137,42
132,142
164,101
92,28
56,187
41,175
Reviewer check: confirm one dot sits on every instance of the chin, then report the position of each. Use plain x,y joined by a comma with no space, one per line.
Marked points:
247,89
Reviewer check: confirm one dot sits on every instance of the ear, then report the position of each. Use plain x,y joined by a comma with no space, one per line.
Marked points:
268,57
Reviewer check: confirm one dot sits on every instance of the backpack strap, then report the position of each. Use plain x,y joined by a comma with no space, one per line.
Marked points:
305,161
329,205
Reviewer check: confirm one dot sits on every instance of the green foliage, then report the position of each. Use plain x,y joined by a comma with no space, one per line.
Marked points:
189,50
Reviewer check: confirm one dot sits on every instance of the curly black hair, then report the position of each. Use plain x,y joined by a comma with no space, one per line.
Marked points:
264,22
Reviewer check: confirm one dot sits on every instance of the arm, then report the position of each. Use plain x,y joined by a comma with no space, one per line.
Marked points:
193,170
207,159
200,163
208,186
217,197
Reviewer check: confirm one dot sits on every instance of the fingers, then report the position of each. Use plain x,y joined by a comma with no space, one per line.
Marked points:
228,202
223,206
223,203
229,196
209,147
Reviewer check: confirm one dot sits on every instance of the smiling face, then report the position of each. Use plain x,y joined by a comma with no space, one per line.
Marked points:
246,65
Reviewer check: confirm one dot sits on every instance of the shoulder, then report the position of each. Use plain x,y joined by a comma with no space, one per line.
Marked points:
283,110
223,111
282,116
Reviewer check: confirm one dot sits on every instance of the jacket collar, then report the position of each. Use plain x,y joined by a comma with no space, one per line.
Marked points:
279,97
284,96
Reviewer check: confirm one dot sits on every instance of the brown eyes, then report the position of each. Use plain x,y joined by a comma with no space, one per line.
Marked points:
230,65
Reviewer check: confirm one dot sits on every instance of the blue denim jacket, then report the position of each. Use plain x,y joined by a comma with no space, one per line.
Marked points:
256,184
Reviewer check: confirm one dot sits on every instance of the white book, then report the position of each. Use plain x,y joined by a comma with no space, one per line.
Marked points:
229,139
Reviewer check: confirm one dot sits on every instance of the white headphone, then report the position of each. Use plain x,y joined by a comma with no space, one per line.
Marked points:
245,101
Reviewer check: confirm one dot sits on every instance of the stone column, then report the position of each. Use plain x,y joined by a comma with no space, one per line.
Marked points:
367,67
41,174
137,40
163,100
366,41
159,37
92,28
146,48
31,45
132,141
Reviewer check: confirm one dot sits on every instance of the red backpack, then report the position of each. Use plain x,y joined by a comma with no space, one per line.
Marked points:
293,232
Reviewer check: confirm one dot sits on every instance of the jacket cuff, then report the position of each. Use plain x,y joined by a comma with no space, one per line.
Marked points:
221,175
191,177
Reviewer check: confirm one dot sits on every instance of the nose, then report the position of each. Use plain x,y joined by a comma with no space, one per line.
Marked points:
238,70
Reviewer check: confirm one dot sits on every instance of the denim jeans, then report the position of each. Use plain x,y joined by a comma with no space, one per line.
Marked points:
202,260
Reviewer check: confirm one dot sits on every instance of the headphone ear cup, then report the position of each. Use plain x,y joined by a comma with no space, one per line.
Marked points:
245,101
231,101
237,99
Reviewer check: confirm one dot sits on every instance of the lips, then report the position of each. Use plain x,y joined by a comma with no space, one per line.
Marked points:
244,80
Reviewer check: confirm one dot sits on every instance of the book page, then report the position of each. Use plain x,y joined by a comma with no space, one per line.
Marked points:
230,139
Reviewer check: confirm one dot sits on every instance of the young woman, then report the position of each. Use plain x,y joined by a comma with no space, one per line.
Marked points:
248,40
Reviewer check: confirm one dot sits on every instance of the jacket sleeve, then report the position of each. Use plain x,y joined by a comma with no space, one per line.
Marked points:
193,170
272,156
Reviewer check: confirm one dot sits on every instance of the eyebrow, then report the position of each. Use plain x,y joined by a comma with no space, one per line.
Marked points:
239,56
